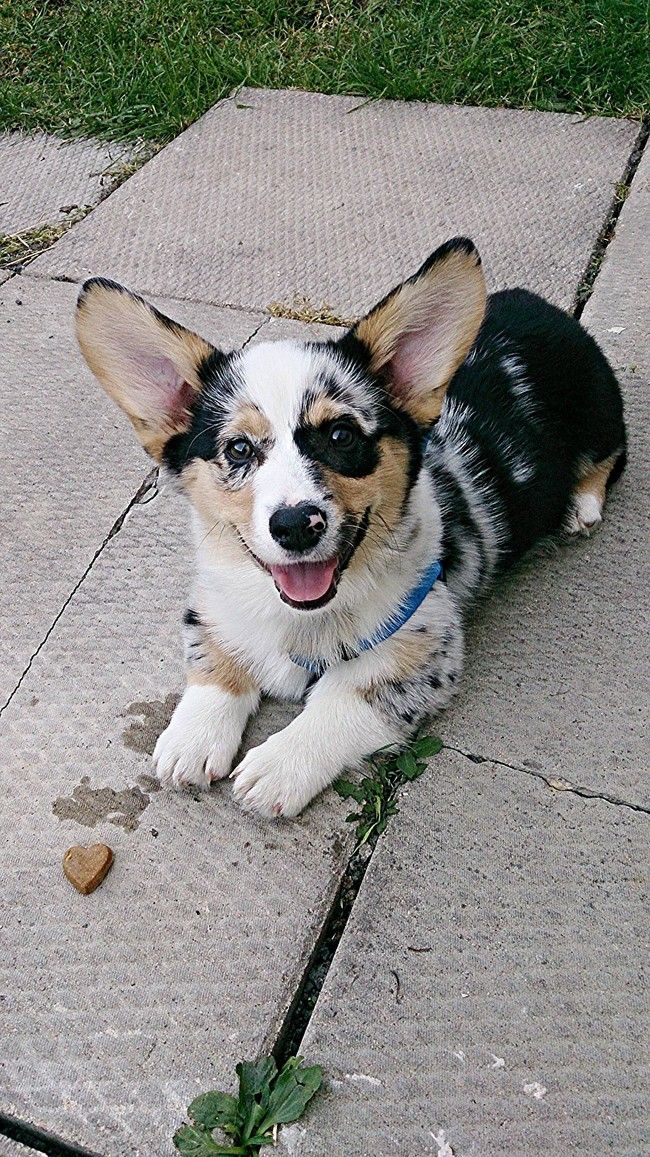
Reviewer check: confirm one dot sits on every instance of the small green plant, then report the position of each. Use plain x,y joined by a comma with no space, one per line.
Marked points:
267,1098
376,792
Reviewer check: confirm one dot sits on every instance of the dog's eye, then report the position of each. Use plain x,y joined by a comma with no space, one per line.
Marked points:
343,435
239,450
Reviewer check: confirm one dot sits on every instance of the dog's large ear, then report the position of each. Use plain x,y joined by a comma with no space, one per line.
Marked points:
147,363
423,330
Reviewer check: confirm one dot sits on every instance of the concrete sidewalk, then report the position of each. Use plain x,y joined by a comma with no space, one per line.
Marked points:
495,946
44,181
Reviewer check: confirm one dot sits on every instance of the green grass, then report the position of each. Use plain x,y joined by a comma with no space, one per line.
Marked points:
131,68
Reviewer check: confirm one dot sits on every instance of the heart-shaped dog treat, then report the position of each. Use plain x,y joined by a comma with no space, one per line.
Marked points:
86,867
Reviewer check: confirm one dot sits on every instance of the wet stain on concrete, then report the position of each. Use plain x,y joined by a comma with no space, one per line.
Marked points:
141,734
90,805
149,783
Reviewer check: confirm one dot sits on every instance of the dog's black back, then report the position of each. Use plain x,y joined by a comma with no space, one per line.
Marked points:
540,406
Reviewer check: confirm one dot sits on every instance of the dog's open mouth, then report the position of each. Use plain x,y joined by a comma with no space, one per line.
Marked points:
307,585
310,585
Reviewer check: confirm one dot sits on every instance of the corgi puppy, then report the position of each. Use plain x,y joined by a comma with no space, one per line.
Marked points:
349,499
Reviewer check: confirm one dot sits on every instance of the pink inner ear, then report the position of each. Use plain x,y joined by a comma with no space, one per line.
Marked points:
416,361
160,386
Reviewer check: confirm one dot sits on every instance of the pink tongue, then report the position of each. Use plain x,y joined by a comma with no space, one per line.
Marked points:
305,582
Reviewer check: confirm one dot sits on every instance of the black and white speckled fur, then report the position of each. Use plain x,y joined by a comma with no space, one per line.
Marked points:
470,444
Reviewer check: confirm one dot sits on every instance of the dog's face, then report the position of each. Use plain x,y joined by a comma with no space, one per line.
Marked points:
296,446
305,450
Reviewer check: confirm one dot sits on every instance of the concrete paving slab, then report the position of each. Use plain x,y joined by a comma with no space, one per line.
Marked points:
14,1149
121,1006
44,179
274,195
558,666
487,996
70,462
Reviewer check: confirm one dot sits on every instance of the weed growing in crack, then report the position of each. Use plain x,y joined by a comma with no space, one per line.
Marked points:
18,249
266,1098
375,793
119,171
302,309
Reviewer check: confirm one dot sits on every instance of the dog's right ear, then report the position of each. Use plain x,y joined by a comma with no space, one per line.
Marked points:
148,364
419,334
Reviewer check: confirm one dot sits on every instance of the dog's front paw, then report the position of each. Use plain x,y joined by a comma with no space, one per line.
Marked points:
200,743
184,759
270,781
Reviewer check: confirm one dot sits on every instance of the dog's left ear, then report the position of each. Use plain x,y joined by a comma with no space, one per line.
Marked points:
147,363
423,330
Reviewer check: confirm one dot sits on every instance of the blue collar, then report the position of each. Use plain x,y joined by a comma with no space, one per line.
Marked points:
401,615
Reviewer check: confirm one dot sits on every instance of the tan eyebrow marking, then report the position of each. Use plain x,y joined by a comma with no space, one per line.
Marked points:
247,419
321,410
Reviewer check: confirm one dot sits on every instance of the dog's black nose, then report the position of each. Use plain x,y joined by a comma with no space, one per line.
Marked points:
298,527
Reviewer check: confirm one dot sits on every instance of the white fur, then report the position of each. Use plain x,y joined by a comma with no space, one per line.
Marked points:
236,594
284,480
522,471
455,416
516,371
335,730
202,739
337,727
238,599
460,458
585,515
276,376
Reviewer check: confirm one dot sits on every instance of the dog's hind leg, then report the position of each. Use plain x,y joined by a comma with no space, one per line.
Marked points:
585,512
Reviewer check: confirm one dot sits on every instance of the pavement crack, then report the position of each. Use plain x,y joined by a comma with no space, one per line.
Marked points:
557,783
264,321
608,228
314,975
38,1139
144,494
154,296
